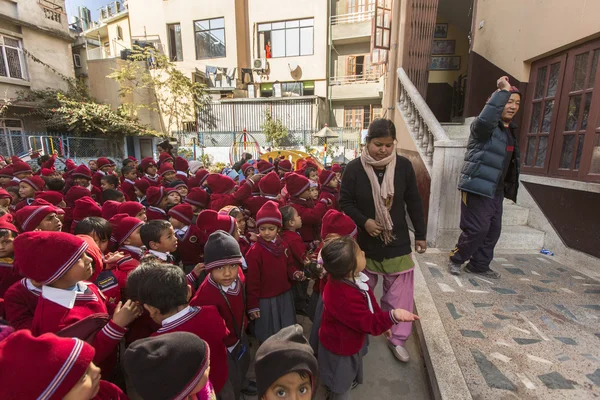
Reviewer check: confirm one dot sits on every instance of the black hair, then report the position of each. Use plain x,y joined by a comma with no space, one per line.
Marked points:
151,231
112,194
167,146
381,128
5,232
43,159
111,180
15,190
339,256
309,170
175,183
126,162
127,169
55,184
159,285
287,214
97,225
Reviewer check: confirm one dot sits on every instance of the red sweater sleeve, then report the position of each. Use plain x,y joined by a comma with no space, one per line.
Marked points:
107,340
313,216
243,192
291,266
253,279
298,250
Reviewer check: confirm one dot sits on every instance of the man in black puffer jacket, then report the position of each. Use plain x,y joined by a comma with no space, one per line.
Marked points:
490,173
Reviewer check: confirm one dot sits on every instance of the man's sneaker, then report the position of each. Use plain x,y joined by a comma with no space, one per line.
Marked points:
487,274
399,352
250,389
454,268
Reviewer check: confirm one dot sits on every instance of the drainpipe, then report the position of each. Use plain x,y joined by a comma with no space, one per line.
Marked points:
327,75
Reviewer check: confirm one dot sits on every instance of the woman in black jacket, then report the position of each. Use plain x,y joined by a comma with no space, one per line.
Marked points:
376,188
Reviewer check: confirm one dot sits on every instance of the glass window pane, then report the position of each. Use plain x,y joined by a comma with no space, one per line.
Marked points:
278,43
306,41
566,154
547,116
553,81
540,83
292,42
579,151
264,27
541,152
535,118
594,68
307,22
595,167
14,63
530,150
586,111
292,24
581,62
278,25
217,23
573,113
203,25
2,63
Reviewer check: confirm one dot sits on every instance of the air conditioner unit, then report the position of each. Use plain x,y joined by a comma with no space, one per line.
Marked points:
259,64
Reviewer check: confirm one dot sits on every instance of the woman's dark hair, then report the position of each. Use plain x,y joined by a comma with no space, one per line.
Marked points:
287,214
308,171
97,225
56,184
339,257
381,128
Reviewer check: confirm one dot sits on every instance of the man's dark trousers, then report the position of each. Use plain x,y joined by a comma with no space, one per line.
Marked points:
481,225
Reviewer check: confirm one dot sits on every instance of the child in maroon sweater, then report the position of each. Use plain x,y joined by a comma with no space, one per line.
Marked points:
270,270
224,192
270,190
298,188
350,313
330,187
128,182
20,302
9,275
149,168
190,239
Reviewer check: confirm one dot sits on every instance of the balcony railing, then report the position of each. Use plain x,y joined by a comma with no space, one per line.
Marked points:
352,18
112,9
368,77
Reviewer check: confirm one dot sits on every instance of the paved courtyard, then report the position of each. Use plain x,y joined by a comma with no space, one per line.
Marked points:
533,334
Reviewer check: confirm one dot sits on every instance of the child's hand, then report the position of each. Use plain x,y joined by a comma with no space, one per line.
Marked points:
112,258
198,269
253,237
126,313
256,178
388,333
299,276
254,315
405,316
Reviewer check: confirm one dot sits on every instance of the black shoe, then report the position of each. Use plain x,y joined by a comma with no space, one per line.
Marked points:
250,389
487,274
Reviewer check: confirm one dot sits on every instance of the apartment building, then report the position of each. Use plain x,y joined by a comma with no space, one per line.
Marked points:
30,29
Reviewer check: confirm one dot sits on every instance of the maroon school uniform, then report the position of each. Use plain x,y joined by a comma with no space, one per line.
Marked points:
206,323
331,194
96,193
218,201
311,215
20,302
254,203
153,213
209,294
190,247
128,188
347,319
268,275
297,247
245,244
8,276
152,180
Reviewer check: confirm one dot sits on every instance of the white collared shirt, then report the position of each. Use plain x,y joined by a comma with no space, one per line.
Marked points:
133,249
130,181
361,281
232,286
181,232
63,297
175,317
160,254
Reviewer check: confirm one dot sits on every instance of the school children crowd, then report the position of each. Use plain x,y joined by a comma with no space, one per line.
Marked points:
149,281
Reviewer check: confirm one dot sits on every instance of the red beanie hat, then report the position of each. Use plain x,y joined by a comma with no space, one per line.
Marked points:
6,223
326,176
183,213
164,157
164,168
146,163
270,185
86,207
60,250
336,168
109,209
82,171
131,208
197,197
285,165
264,167
132,158
339,223
104,162
35,182
211,221
181,164
21,166
61,363
123,226
219,184
29,217
42,202
6,172
155,194
47,172
15,159
245,168
51,196
269,214
70,164
4,194
142,185
95,254
76,192
296,184
198,179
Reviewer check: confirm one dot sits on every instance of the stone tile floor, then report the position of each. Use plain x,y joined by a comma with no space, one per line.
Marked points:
533,334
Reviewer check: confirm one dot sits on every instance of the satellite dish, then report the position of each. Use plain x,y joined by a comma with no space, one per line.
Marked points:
295,71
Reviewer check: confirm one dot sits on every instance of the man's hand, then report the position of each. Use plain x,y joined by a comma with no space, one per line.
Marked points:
503,83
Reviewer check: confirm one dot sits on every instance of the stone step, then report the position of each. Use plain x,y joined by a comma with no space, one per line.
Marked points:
513,237
514,215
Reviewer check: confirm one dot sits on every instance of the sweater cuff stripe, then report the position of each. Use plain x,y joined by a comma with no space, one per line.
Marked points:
111,331
394,320
253,310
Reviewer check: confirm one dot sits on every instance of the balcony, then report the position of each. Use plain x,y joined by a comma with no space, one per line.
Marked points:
112,10
357,87
351,28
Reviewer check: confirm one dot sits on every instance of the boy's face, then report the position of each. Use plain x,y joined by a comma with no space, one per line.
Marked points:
134,239
23,175
82,270
92,165
6,244
296,222
249,173
176,223
183,191
4,180
290,386
102,243
334,183
131,175
268,232
169,176
313,176
5,202
314,193
142,216
26,191
225,275
105,185
107,169
306,194
81,181
173,198
50,223
151,170
241,223
167,242
87,387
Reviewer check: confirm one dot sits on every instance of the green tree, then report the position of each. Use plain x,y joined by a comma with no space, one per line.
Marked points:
275,132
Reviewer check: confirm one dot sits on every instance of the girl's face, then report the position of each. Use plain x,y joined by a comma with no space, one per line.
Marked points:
176,223
151,170
183,191
6,244
361,261
314,193
292,386
142,216
87,387
169,176
174,198
26,191
268,232
5,202
80,181
138,193
241,223
333,183
313,176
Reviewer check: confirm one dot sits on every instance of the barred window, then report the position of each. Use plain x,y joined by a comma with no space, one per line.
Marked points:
12,59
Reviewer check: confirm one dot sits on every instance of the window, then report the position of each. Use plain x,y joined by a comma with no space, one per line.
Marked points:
210,38
361,116
175,46
287,89
77,60
286,38
12,59
119,32
360,6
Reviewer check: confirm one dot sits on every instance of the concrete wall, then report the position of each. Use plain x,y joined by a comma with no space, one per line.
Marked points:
340,53
462,50
516,32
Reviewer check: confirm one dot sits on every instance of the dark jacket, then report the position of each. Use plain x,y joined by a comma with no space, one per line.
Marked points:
486,153
356,200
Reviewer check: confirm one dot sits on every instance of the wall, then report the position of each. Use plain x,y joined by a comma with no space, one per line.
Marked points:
517,31
340,53
116,44
462,50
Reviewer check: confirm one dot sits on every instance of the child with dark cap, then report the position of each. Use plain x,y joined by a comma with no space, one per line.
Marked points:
286,367
181,356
